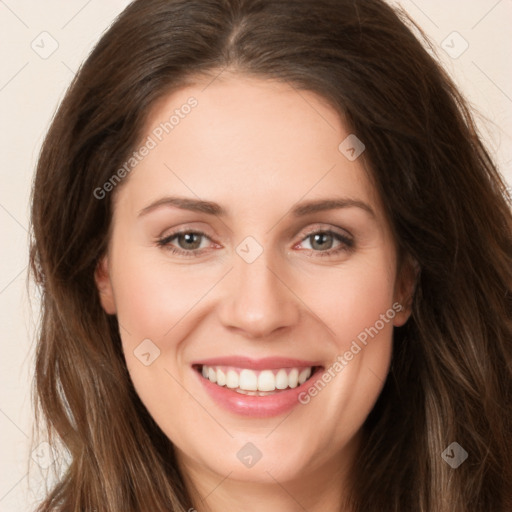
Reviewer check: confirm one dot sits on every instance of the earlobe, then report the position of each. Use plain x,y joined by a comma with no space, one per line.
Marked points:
104,285
404,294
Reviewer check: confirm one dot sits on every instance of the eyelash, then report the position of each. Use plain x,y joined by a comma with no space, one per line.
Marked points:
347,243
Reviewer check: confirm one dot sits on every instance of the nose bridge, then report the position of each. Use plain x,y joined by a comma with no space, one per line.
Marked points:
258,302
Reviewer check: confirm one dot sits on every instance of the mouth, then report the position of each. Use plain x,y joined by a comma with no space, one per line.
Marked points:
247,381
256,388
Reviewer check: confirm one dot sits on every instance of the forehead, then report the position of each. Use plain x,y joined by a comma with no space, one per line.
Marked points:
253,141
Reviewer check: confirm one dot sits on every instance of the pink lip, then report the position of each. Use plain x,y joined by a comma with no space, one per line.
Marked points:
257,406
269,363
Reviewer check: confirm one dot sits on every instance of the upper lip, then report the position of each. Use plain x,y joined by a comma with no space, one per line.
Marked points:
257,364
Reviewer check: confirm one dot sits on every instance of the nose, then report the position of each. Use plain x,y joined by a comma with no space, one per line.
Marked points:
258,299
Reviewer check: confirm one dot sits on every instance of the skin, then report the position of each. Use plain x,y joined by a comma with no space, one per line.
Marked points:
257,148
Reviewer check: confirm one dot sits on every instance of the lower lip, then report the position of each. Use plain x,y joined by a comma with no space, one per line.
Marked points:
257,406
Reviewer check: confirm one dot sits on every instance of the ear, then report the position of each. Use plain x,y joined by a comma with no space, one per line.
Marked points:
104,285
405,286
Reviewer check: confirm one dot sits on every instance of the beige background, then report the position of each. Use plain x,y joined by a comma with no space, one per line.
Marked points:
31,84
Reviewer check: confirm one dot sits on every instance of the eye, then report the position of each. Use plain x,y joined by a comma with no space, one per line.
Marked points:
189,242
328,242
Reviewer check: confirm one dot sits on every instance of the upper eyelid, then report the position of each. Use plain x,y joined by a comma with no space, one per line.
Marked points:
319,226
329,229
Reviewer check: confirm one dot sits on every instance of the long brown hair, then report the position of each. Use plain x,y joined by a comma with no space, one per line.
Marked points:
451,373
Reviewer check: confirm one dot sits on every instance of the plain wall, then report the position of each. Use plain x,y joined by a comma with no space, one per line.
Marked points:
31,84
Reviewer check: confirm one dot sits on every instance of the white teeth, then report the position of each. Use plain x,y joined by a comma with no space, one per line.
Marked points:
293,378
248,380
251,382
281,379
304,375
232,379
212,375
221,377
266,381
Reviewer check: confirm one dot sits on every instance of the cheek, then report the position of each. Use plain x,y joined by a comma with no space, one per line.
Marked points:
152,295
355,304
352,299
154,301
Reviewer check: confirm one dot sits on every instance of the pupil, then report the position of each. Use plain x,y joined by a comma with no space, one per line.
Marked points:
189,239
320,238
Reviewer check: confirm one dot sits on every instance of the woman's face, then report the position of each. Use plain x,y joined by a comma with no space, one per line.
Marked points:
285,266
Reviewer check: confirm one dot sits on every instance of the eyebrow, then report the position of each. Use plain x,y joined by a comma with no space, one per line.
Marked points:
300,210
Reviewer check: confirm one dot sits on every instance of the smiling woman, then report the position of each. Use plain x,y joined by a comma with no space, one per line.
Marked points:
293,299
